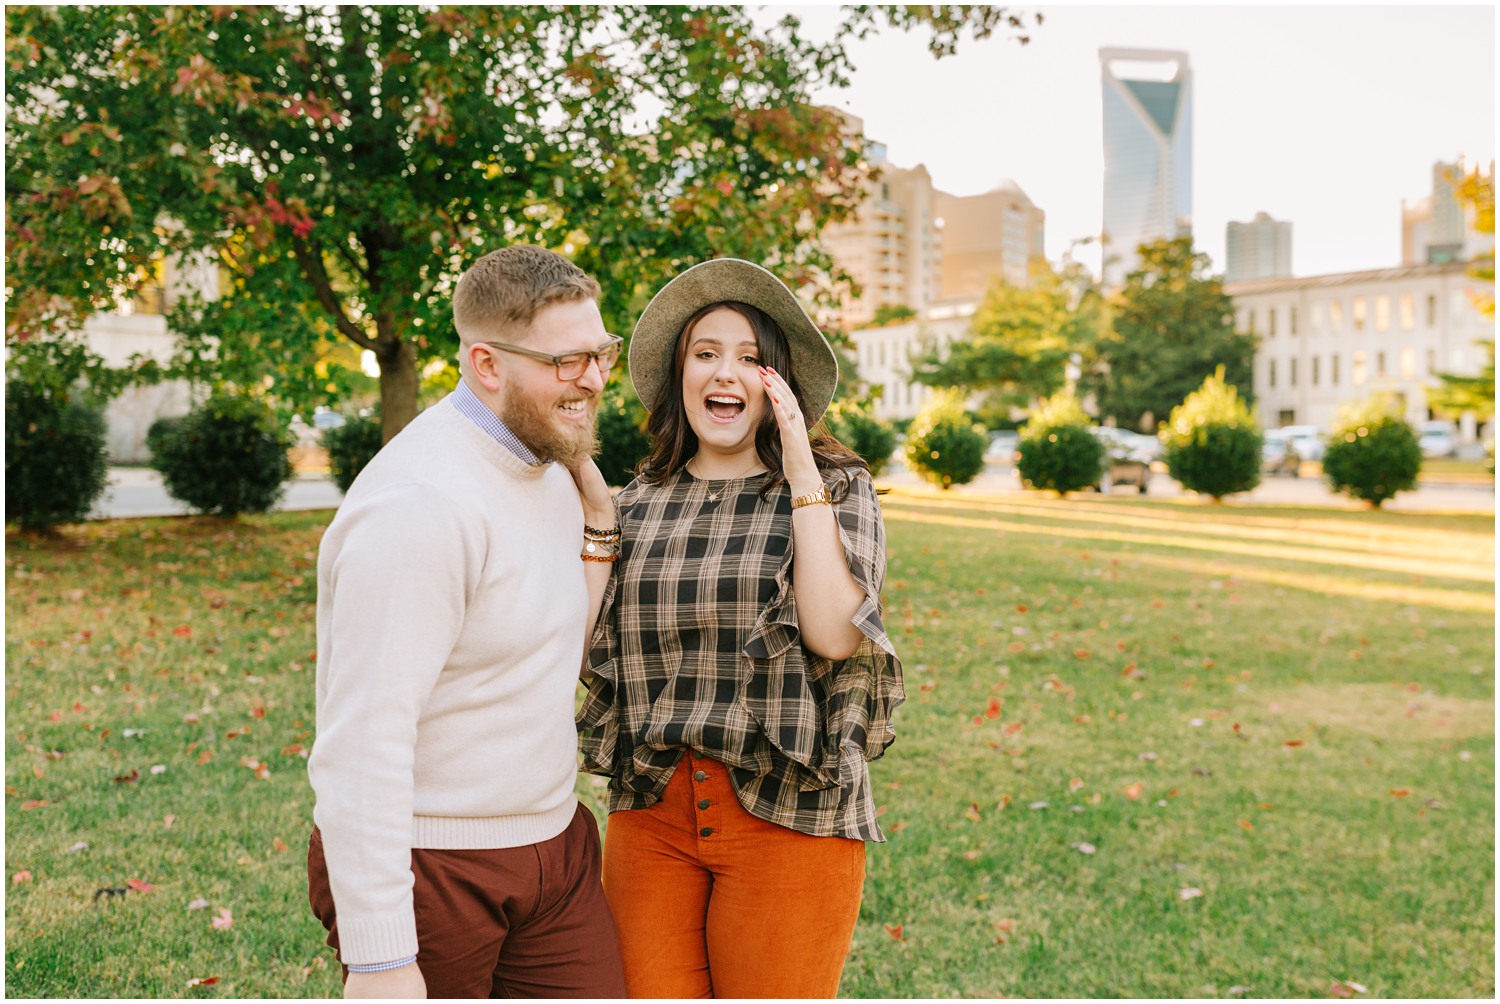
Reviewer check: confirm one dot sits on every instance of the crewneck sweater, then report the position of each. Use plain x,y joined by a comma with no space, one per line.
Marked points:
451,611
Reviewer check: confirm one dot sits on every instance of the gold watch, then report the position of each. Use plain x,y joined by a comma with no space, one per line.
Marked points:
821,495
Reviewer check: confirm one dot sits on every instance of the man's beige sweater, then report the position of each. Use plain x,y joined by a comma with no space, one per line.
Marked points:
451,611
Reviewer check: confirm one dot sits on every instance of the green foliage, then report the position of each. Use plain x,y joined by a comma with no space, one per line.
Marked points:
351,446
1211,444
944,445
888,314
55,459
226,457
1373,453
853,424
1021,340
623,442
1056,450
1457,394
1172,327
343,165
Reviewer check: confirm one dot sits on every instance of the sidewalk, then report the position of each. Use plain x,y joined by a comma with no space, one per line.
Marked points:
138,491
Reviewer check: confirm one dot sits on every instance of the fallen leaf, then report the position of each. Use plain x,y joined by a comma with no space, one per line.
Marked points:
224,920
1017,646
182,631
205,757
293,750
198,904
202,981
130,778
159,768
167,821
1135,791
1236,991
897,827
1399,792
1034,806
896,931
1021,608
1291,743
1014,727
1075,784
1189,893
992,710
972,812
1245,824
82,845
140,886
1084,848
19,877
34,804
277,843
970,855
1004,928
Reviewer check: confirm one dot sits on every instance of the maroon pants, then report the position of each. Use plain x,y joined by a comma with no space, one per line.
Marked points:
511,922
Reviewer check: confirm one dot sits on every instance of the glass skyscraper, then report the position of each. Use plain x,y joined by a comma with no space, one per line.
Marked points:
1148,152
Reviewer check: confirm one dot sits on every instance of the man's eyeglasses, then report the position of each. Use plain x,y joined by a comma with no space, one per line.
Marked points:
572,365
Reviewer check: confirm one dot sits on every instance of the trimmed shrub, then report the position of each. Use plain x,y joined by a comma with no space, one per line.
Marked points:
623,442
226,457
1373,453
852,424
1210,442
351,446
944,445
1056,450
56,465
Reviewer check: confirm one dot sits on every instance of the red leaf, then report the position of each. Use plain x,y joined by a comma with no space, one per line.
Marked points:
1399,792
259,711
130,778
1294,743
992,710
34,804
1135,791
1014,727
280,846
19,877
202,981
972,812
140,886
224,920
896,931
182,631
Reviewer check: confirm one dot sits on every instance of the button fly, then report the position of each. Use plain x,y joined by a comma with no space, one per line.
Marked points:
699,776
704,803
707,831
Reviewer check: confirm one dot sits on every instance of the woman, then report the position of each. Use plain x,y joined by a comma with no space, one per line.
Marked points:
742,677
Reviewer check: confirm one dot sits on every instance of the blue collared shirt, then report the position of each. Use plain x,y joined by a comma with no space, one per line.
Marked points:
469,405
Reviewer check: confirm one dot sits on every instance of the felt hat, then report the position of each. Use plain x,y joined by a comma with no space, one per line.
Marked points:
731,279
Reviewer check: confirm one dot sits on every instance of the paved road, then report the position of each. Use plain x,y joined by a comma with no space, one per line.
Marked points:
1002,478
137,491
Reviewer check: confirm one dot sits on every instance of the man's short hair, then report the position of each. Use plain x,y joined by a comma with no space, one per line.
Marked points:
501,293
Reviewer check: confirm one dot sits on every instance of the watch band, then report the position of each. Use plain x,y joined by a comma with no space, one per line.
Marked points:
821,495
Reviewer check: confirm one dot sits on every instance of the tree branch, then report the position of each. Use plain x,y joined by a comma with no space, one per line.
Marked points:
311,263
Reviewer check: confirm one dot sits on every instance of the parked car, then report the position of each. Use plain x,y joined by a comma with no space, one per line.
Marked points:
1437,438
1278,454
1307,440
1127,460
1002,448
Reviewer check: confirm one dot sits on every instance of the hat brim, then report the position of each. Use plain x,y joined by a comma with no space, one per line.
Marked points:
654,340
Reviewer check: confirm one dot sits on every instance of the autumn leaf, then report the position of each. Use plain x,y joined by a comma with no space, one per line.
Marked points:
1134,791
1014,727
224,921
140,886
182,631
1245,824
1399,792
279,845
34,804
1021,608
202,981
198,904
1075,784
1005,928
896,931
1189,893
130,778
972,812
19,877
1294,743
992,709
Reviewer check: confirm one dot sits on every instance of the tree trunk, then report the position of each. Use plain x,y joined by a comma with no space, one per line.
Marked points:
398,386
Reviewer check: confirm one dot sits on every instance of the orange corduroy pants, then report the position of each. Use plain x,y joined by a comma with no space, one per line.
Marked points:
711,901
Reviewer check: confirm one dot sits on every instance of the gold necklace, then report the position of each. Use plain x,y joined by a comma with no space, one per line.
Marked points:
714,496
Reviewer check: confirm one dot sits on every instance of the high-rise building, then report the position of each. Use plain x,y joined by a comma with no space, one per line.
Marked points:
1260,249
989,236
1148,152
1438,227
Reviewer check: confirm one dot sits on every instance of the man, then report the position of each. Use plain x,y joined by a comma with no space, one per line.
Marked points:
450,856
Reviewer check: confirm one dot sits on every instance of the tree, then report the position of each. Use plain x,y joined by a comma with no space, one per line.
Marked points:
1212,444
1057,450
944,446
1373,453
345,164
1458,394
1173,326
1021,340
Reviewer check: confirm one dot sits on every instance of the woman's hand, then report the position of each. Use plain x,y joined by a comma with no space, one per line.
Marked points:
598,508
796,452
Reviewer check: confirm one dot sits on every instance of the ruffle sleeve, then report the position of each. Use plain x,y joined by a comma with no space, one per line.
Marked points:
810,708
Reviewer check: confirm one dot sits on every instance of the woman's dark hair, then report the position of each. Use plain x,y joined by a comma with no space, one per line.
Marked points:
673,442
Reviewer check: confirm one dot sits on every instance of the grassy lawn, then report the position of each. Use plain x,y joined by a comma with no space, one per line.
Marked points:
1150,749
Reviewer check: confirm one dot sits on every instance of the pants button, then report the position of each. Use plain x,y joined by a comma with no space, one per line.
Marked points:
699,776
707,831
704,803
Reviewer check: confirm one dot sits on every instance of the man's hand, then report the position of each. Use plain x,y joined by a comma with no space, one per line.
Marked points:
405,983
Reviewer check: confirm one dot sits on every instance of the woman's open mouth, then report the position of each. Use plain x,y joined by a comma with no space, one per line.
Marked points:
723,407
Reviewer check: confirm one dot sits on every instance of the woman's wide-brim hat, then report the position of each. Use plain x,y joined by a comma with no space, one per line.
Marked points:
731,279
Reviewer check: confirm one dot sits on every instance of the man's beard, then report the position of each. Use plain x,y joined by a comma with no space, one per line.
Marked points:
534,426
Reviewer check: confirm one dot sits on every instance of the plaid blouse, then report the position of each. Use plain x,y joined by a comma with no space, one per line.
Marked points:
697,646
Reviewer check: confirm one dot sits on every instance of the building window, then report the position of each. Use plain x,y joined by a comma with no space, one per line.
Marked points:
1314,371
1317,319
1336,316
1359,313
1382,313
1408,312
1291,320
1380,365
1408,364
1431,361
1432,310
1286,416
1359,369
1271,323
1271,374
1333,370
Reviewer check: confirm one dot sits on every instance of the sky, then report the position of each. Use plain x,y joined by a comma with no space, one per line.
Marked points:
1324,116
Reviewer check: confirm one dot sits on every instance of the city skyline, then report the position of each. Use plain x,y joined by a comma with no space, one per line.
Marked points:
1327,117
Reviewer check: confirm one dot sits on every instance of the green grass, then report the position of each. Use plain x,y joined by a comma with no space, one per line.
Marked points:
1353,650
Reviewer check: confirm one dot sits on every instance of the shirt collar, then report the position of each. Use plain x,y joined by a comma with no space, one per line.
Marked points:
469,405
